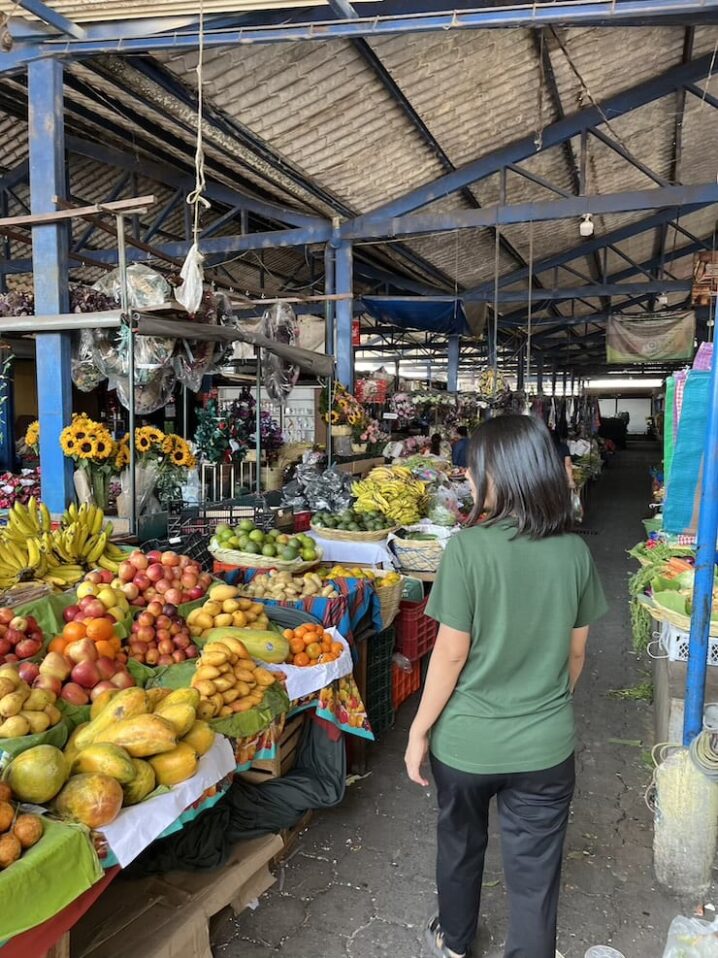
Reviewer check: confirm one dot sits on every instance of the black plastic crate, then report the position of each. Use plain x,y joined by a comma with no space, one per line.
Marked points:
193,545
378,681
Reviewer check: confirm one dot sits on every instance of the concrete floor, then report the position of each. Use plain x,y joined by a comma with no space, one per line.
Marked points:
360,884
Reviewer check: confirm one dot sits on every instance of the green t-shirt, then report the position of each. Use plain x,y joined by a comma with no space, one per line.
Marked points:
519,599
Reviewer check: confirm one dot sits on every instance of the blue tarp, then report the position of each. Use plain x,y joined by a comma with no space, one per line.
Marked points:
434,314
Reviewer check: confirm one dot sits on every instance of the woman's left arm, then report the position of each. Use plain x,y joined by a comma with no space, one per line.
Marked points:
447,661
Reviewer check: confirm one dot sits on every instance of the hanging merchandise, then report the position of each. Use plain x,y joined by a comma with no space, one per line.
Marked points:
189,293
145,287
492,385
150,396
195,359
85,374
650,339
279,324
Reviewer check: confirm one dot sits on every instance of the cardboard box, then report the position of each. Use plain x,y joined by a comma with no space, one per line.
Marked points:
168,916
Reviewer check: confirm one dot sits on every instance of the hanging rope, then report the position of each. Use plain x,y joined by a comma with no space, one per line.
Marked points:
497,260
196,197
530,311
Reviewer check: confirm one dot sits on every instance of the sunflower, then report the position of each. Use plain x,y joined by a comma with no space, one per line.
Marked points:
334,417
32,436
181,454
104,445
122,458
143,443
156,436
86,448
69,444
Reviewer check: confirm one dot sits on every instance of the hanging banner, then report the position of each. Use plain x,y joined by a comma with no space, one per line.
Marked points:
356,332
705,277
650,339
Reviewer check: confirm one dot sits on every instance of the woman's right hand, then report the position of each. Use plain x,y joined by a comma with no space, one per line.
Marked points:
416,752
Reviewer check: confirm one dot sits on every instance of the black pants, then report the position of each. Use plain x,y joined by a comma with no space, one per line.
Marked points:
533,812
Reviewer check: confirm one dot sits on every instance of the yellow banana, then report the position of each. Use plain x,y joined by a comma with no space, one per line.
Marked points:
99,548
98,519
110,564
45,518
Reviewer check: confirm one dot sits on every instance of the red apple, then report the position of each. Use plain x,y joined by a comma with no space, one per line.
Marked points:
155,608
173,596
145,619
182,641
122,680
150,593
144,634
205,580
19,623
166,646
130,590
162,586
86,674
154,556
139,647
178,656
152,656
155,572
141,581
163,621
165,660
100,688
95,608
48,682
191,652
106,576
139,560
70,612
126,571
195,593
5,646
14,636
139,603
169,558
32,625
55,666
106,667
27,648
6,616
162,635
74,694
83,650
176,628
189,580
95,577
29,671
11,657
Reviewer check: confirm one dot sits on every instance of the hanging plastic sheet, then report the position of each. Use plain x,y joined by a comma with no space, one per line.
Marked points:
280,325
84,371
145,287
436,314
680,512
650,339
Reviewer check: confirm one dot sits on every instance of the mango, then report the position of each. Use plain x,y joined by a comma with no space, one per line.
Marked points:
141,785
141,735
181,697
106,759
14,727
221,591
39,721
267,646
201,737
175,766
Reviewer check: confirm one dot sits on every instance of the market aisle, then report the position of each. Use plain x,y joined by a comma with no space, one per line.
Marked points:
360,885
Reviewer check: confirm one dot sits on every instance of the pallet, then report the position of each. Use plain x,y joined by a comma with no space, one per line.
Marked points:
265,769
291,836
169,916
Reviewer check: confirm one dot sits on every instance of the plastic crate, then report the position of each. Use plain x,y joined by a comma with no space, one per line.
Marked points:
193,545
404,684
302,521
675,643
415,631
379,680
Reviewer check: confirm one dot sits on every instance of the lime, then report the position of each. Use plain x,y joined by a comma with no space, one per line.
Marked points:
295,543
354,527
252,548
273,533
222,528
308,555
289,555
243,542
282,539
256,535
246,525
269,551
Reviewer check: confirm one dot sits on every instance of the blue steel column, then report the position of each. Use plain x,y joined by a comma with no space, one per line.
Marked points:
452,379
705,565
49,260
344,315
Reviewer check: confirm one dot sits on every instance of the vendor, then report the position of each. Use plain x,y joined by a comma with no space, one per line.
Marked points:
461,447
438,447
564,454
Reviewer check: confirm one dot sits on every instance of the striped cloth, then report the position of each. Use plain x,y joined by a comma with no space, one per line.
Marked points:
680,511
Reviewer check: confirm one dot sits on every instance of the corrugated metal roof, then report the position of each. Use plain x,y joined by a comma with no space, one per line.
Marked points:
101,11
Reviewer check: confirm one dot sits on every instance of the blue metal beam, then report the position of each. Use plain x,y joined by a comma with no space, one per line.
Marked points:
702,95
552,135
344,315
532,16
453,353
18,174
49,253
55,19
114,194
161,218
629,157
566,207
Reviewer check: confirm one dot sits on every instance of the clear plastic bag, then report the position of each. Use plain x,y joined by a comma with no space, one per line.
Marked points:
192,362
189,293
145,481
444,507
145,286
279,377
85,374
692,938
576,507
150,396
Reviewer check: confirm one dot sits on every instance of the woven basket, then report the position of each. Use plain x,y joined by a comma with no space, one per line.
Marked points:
389,599
416,556
248,560
341,430
341,535
661,614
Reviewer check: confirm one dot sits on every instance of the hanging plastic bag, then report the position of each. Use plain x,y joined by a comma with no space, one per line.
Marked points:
85,374
692,938
279,323
150,396
145,286
145,481
576,507
444,507
189,293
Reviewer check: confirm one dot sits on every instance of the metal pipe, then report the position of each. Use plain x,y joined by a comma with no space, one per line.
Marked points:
258,424
63,322
329,347
705,566
124,304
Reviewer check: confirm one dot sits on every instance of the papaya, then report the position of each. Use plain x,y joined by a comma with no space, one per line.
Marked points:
180,716
222,591
267,646
175,766
102,700
71,750
200,737
141,785
127,704
141,735
181,697
155,696
93,799
106,759
37,774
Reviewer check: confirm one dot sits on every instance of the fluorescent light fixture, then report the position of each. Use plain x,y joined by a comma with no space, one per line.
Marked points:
624,383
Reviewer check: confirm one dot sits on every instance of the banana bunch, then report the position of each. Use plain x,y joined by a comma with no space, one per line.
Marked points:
30,550
393,491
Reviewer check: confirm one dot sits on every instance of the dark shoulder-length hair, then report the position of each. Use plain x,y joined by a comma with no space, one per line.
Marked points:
519,477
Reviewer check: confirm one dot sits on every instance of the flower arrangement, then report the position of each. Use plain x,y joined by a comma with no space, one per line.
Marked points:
93,450
169,453
225,437
14,488
403,405
344,409
270,436
32,437
373,435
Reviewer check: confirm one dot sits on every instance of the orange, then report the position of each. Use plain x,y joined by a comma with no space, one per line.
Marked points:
288,634
301,660
58,644
74,631
328,637
326,657
100,629
337,648
105,647
314,650
116,643
296,645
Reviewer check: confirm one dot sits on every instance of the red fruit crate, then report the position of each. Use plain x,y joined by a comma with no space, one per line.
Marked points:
404,684
415,631
302,521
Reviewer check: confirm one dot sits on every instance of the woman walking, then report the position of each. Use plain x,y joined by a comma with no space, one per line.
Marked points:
515,596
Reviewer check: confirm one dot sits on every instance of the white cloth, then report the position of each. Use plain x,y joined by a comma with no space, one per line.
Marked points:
375,554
